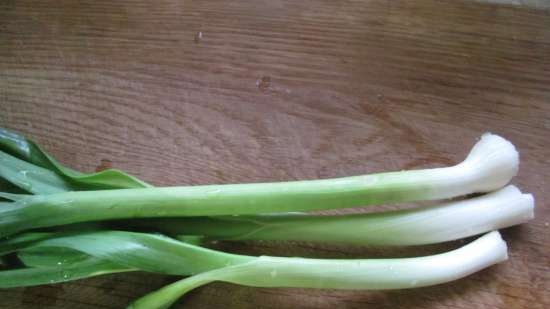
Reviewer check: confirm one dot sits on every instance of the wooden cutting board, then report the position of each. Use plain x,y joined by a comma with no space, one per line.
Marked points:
200,92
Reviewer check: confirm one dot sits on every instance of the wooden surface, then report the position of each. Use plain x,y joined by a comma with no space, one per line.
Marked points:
199,92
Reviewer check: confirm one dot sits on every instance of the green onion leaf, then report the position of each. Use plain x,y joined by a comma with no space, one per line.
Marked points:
54,274
17,146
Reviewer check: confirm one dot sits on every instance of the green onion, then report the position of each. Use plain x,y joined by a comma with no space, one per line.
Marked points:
79,217
115,251
450,221
372,274
490,165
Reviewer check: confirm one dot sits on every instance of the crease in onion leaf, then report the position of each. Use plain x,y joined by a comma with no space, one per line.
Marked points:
44,256
372,274
89,267
105,252
147,252
31,178
14,197
13,244
49,257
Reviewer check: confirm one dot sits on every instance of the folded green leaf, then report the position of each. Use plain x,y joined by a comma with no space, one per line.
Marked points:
22,148
101,252
31,178
12,197
147,252
16,243
49,257
26,150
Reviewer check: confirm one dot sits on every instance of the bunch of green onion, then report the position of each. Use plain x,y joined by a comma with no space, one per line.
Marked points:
62,225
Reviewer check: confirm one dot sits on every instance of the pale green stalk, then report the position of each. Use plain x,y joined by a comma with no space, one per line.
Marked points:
372,274
490,165
125,251
450,221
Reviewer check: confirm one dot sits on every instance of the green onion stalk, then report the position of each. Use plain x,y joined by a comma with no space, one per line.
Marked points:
85,254
356,274
419,226
491,164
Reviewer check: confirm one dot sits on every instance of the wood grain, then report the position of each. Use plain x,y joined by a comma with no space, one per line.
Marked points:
196,92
